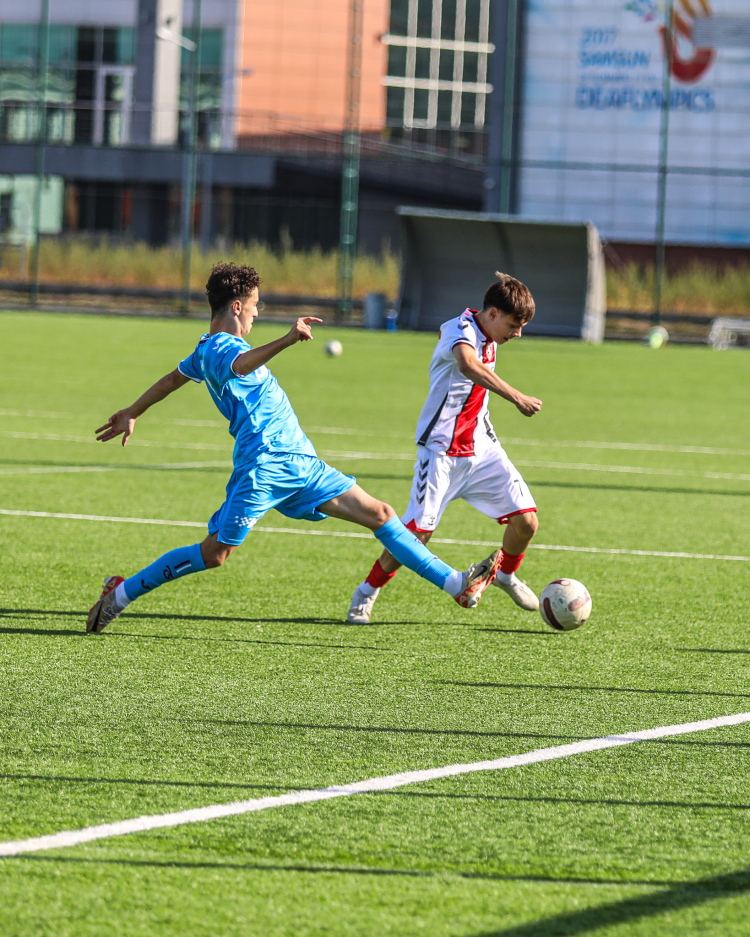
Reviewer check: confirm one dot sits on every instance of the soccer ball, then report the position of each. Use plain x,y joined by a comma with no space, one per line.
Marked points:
334,348
565,604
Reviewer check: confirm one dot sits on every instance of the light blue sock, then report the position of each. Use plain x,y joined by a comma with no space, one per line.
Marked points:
403,546
173,565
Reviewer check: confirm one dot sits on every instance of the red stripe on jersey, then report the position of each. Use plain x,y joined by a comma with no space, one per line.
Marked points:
462,443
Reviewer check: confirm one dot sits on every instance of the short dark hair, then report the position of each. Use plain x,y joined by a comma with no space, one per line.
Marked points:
229,282
511,297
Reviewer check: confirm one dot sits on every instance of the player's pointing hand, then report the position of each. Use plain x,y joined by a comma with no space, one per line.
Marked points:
301,331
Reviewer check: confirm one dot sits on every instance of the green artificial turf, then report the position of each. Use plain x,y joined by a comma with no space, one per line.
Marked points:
243,682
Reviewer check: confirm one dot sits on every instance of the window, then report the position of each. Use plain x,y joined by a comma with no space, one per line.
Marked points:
209,86
88,96
438,52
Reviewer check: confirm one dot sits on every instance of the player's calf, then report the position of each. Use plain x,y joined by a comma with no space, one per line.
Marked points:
518,535
118,593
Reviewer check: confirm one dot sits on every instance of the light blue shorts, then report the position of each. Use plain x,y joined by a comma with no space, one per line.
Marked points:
293,484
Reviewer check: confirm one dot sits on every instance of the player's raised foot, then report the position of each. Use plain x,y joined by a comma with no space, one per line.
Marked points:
520,593
360,611
105,609
478,577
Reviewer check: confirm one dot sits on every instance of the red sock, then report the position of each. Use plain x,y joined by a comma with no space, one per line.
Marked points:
378,577
509,564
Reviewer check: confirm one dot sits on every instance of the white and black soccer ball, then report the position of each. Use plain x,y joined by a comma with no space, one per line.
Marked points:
334,348
565,604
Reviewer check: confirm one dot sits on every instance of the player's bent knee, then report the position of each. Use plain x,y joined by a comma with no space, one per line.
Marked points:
216,554
525,525
384,512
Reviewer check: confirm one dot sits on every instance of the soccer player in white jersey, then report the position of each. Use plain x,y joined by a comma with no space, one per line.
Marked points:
458,453
275,464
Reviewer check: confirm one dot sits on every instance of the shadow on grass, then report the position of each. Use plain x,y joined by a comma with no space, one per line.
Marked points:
339,870
10,612
711,650
396,730
547,632
587,689
499,798
686,895
139,782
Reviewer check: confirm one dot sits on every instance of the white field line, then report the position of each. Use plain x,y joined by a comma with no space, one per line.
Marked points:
56,469
347,431
60,437
353,535
390,782
566,466
402,456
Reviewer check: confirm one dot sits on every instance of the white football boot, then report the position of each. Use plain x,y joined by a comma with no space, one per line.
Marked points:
476,580
105,609
360,611
520,593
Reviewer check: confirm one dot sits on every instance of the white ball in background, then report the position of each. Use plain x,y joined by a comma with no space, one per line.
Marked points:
334,348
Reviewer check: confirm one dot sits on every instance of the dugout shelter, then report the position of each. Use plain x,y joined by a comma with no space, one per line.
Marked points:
450,258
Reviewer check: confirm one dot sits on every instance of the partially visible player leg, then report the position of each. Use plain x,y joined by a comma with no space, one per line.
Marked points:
227,529
118,593
383,570
518,535
497,489
358,506
433,487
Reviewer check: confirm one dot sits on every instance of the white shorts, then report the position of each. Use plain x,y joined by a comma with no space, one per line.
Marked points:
489,482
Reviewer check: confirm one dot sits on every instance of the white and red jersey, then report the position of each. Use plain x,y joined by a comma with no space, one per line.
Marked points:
455,419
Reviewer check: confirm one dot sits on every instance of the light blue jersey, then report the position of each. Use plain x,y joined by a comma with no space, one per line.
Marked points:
275,464
261,418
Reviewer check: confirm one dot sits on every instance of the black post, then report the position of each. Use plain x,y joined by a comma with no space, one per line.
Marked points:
661,195
42,77
506,76
188,184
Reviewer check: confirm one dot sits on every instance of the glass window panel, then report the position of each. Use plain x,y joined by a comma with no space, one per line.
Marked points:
397,61
211,48
421,103
399,17
62,44
208,92
61,86
17,84
85,84
471,64
125,45
448,20
394,106
471,32
109,45
445,71
86,45
468,107
424,18
444,107
422,64
18,43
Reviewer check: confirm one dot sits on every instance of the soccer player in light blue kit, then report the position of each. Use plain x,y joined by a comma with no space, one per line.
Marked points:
275,464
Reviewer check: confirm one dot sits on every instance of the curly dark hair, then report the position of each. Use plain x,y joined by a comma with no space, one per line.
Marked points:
510,296
229,282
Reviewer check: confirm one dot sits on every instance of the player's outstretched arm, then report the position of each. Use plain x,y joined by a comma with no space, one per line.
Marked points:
123,422
249,361
471,367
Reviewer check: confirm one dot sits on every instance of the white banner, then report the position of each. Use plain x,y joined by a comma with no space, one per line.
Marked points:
592,112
